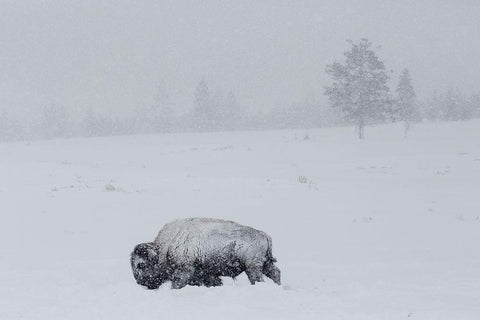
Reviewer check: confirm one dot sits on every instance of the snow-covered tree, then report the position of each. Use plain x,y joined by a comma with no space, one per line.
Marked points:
203,106
405,104
359,85
97,125
431,108
475,105
162,111
230,112
450,105
54,122
158,116
9,128
89,124
466,108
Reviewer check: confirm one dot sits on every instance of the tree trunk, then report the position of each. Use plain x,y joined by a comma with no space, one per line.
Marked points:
361,126
407,127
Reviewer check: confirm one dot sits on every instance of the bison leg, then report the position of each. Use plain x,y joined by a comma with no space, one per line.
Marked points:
182,277
271,271
195,282
212,281
254,274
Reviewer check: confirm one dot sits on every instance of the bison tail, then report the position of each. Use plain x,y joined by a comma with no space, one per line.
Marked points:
269,249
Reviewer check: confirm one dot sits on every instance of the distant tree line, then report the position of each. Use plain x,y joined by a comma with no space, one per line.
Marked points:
211,112
359,94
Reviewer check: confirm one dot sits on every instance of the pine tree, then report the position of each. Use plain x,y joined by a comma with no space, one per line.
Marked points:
162,113
450,105
431,108
232,111
5,127
359,85
475,105
405,101
55,122
89,124
203,106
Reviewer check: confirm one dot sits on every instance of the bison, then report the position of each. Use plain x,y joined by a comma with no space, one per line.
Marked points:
198,251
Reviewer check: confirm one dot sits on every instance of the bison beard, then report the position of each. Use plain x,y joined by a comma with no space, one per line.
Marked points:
198,251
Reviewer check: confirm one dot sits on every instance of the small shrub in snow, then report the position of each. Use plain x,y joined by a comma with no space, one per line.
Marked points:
302,179
109,187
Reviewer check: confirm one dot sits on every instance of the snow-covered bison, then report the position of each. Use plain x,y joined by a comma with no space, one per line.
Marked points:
198,251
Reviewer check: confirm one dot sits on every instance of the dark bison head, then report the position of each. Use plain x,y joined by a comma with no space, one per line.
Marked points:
147,269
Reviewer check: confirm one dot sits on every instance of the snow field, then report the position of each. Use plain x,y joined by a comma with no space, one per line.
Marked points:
384,228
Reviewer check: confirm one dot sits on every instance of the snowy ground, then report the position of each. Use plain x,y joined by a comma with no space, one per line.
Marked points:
384,228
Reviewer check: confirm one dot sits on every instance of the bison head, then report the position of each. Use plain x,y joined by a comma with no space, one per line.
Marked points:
146,266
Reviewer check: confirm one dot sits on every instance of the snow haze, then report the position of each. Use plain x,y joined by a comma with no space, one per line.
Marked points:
343,136
110,55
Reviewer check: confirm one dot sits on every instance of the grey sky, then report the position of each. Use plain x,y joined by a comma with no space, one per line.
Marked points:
109,55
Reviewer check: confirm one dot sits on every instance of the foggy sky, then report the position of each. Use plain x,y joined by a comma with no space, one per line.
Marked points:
109,55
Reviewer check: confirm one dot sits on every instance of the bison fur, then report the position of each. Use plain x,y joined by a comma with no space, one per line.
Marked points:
198,251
